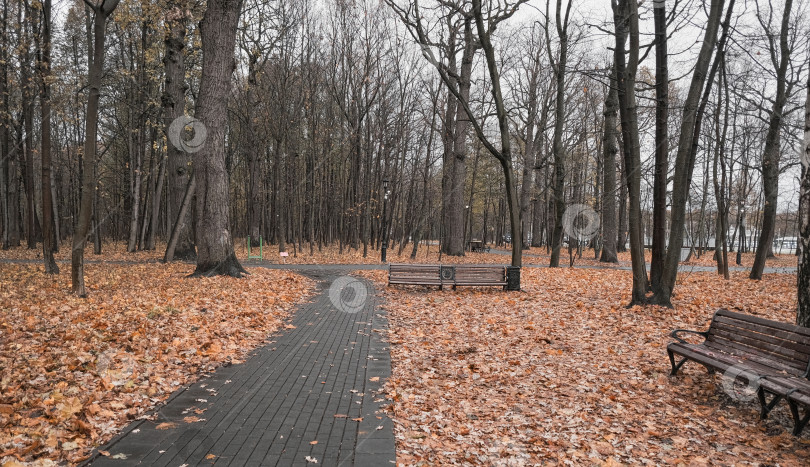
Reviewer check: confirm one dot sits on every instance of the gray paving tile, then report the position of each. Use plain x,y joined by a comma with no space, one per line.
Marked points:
270,409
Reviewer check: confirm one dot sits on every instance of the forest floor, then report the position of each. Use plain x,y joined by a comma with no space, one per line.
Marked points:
76,371
562,372
116,252
558,372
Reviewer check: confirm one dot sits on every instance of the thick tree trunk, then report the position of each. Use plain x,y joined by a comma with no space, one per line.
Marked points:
609,148
458,180
102,11
661,144
49,235
685,159
626,20
803,272
179,166
773,148
215,254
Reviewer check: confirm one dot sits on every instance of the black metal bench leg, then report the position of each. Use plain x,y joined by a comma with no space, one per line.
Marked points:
798,422
675,367
764,404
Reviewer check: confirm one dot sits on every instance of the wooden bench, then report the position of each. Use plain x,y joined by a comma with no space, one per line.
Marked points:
441,275
415,274
770,356
480,276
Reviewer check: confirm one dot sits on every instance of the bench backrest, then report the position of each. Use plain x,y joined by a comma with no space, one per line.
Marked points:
779,345
430,271
485,273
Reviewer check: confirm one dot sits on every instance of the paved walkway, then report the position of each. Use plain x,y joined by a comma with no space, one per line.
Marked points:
310,394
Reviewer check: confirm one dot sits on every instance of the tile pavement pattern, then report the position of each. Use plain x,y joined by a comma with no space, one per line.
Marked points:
311,383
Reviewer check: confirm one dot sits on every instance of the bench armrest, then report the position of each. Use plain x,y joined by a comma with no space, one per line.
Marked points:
674,334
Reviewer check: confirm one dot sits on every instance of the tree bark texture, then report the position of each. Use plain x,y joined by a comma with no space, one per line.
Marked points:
609,149
215,254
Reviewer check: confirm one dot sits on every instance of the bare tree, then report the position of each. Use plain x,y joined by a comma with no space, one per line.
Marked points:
215,255
178,161
803,273
486,24
101,12
6,162
685,158
661,143
780,59
625,13
44,68
609,150
559,65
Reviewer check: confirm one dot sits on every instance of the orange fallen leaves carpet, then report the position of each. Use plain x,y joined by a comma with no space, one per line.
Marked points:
562,373
75,371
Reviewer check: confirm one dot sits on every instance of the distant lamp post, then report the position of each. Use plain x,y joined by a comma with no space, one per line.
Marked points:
384,249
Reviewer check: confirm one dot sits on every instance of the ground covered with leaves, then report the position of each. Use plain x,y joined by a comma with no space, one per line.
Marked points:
75,371
562,372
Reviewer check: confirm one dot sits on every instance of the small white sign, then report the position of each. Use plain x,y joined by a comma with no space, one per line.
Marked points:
284,253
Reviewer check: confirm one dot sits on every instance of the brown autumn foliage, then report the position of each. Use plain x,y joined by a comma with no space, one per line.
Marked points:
562,373
75,371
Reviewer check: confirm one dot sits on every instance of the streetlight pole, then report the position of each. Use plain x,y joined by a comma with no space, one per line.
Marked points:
384,248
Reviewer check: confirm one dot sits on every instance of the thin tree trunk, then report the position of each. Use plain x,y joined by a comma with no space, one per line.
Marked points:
559,118
803,272
5,159
661,144
174,237
49,235
27,154
101,11
770,156
626,20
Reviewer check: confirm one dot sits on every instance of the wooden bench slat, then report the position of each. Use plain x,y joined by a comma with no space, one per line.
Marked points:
767,349
792,328
766,338
774,355
723,322
430,274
